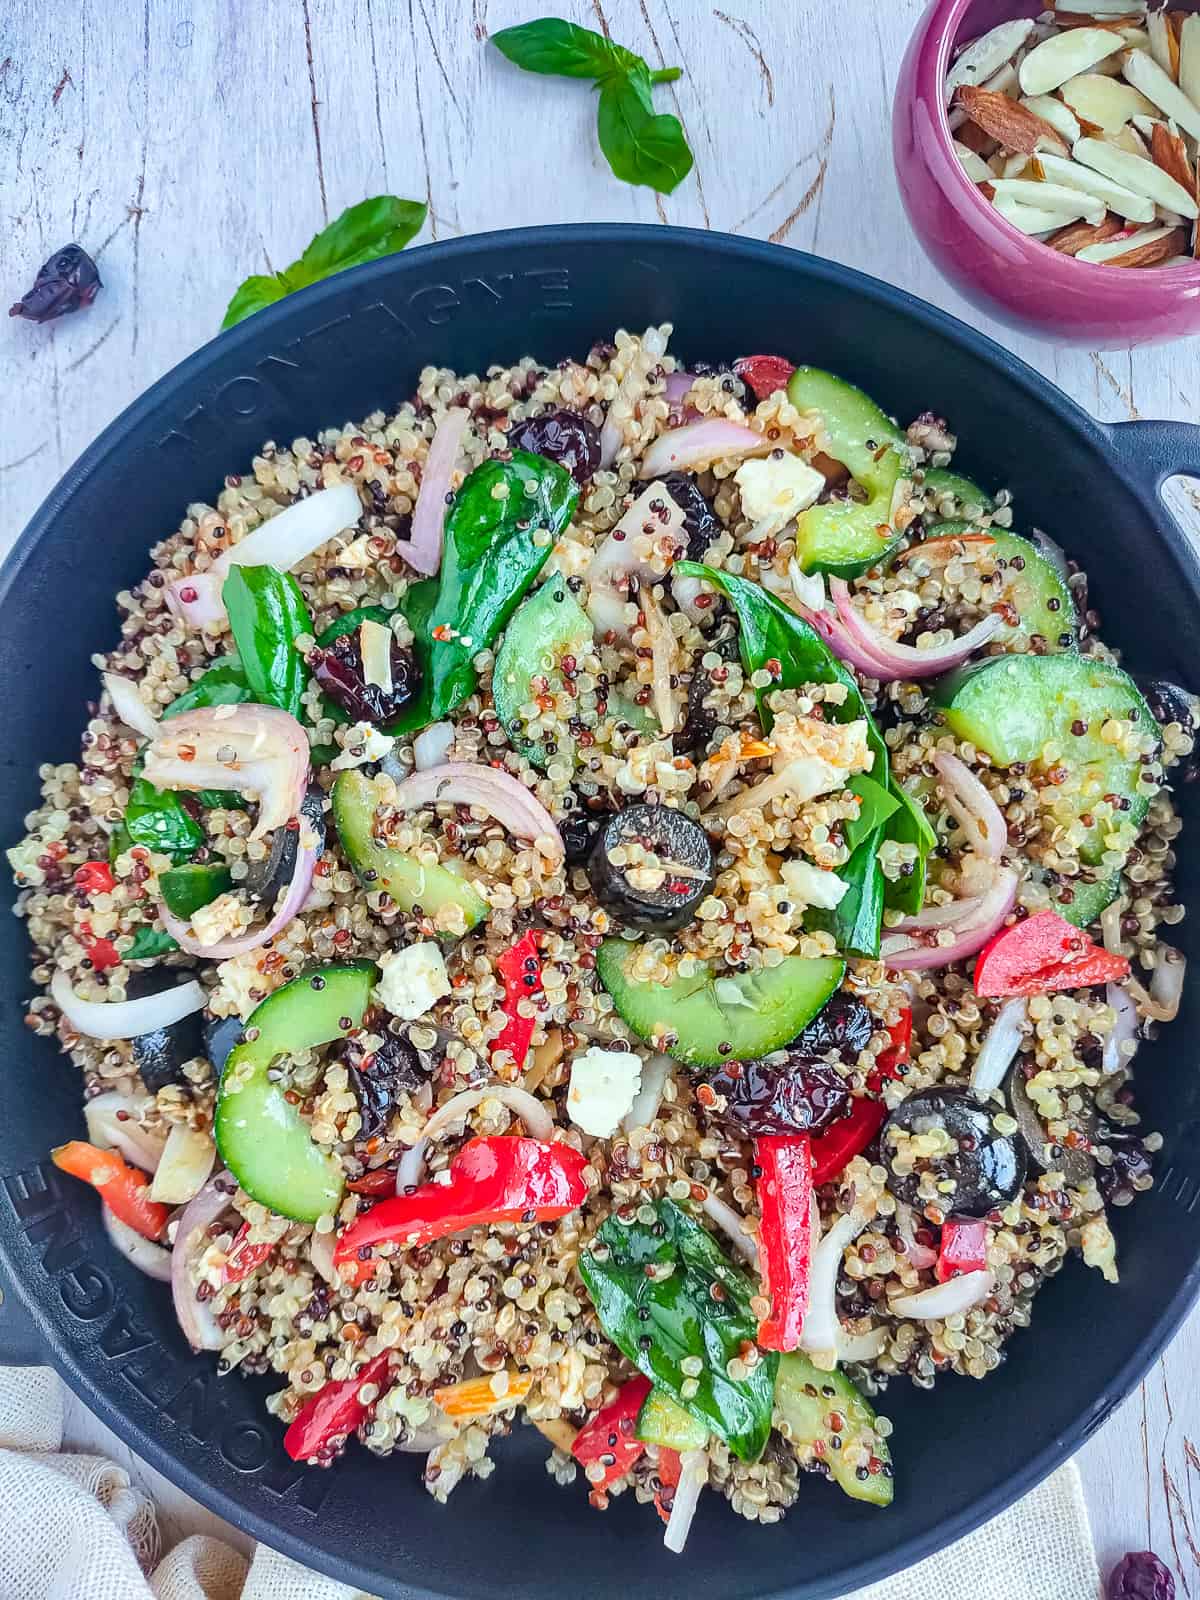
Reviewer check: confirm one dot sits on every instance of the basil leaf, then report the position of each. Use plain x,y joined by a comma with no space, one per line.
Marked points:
642,146
267,614
878,804
657,1323
909,825
415,606
224,684
373,228
489,562
149,942
562,49
856,921
156,818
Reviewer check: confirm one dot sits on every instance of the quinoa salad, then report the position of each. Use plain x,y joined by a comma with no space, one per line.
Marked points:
618,898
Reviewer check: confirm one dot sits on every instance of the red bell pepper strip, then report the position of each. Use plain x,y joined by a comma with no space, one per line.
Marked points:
95,877
243,1257
785,1191
764,374
333,1412
1042,954
670,1470
963,1248
888,1062
101,953
521,969
610,1438
846,1138
492,1180
124,1189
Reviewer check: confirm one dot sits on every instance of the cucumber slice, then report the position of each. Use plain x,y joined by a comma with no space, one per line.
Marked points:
1090,898
551,624
846,537
805,1397
185,889
441,893
663,1421
1033,586
1023,708
261,1136
691,1019
940,482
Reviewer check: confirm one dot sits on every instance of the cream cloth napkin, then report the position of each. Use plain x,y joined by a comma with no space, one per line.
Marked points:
72,1527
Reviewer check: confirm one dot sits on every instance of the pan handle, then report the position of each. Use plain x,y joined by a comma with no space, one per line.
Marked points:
21,1345
1152,452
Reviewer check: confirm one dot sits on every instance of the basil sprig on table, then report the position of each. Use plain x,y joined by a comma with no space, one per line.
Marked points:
372,228
490,558
652,1287
642,146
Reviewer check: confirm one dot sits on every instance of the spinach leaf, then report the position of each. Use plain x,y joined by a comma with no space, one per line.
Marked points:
224,684
418,601
149,942
909,825
642,146
266,615
856,921
659,1322
489,562
373,228
156,818
878,804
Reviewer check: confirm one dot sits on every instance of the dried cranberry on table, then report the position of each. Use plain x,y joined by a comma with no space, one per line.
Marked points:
380,1078
799,1095
339,670
67,282
1140,1576
562,436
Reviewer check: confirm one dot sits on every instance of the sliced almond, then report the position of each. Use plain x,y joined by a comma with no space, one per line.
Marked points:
1196,228
1076,236
976,138
1053,111
1009,123
1144,73
1189,58
1146,125
1144,249
1002,82
1111,24
1125,202
1170,153
1143,177
1065,9
1164,46
1063,57
1029,219
1127,139
1136,38
1054,197
975,167
987,55
1014,166
1107,102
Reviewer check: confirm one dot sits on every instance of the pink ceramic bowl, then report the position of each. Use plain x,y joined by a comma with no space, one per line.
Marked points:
1001,270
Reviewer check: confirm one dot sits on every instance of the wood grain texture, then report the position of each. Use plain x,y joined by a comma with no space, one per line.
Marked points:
188,143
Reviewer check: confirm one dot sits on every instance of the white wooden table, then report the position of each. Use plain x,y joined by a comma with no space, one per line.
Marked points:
188,143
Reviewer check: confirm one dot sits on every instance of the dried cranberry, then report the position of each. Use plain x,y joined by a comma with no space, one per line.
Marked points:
338,668
701,719
1130,1160
380,1078
797,1096
1140,1576
700,521
561,436
67,282
844,1025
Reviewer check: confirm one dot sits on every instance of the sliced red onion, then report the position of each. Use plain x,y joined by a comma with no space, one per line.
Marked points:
423,548
840,642
676,386
187,1162
821,1329
903,954
941,916
539,1124
943,1300
129,705
656,1069
307,852
979,817
610,441
904,660
146,1256
320,1253
693,1475
999,1048
733,1226
468,783
260,751
1124,1029
126,1019
697,445
432,746
918,1255
196,599
191,1231
114,1122
285,539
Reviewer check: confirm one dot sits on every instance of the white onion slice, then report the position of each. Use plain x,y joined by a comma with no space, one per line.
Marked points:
187,1162
126,1019
423,548
285,539
539,1124
905,660
698,444
1166,983
113,1123
986,915
733,1226
1124,1029
656,1069
947,1299
821,1328
239,944
146,1256
196,598
468,783
431,747
862,1346
260,751
320,1253
979,817
197,1321
693,1475
129,705
999,1048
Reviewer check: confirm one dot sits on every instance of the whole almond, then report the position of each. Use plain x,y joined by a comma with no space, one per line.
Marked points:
1077,235
1014,126
1170,153
974,137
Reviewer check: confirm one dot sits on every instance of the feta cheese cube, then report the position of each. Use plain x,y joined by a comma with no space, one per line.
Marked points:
604,1084
773,492
363,743
412,980
809,885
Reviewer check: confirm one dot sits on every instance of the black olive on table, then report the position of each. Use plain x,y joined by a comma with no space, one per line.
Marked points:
162,1054
662,871
793,1095
562,436
987,1168
339,669
264,879
378,1079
